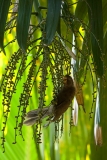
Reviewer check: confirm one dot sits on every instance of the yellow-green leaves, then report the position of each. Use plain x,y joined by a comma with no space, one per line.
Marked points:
23,21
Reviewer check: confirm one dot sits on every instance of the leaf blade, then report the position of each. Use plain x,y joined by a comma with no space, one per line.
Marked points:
23,21
52,20
96,23
4,7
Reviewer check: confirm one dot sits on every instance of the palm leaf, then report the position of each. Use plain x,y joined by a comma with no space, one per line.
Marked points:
96,24
23,22
27,74
4,8
52,20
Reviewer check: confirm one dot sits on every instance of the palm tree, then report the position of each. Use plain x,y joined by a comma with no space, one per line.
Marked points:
40,42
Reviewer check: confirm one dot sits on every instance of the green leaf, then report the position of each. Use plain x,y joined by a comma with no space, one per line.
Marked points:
81,6
23,21
52,20
4,7
59,27
104,7
96,24
85,56
38,10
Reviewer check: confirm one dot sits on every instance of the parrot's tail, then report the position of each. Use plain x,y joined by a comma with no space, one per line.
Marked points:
36,115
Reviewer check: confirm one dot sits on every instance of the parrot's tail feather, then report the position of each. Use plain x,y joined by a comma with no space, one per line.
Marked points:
30,121
33,113
36,115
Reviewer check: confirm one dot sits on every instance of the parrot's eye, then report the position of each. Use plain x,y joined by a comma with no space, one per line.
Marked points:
64,80
67,80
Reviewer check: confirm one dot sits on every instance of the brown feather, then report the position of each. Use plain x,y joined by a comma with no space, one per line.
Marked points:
63,100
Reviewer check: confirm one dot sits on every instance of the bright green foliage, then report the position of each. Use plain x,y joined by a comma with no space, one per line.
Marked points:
67,37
